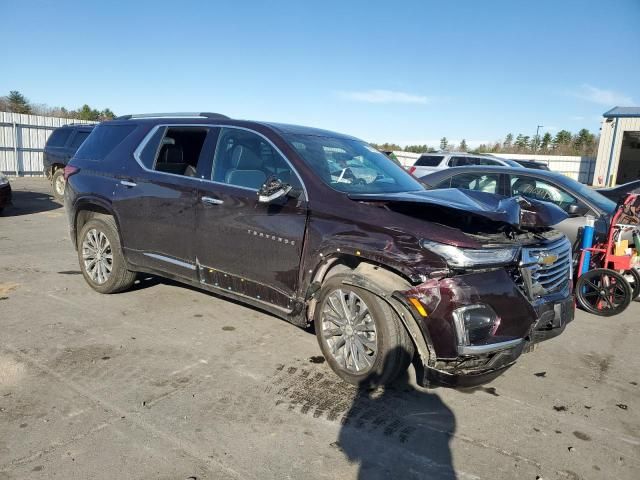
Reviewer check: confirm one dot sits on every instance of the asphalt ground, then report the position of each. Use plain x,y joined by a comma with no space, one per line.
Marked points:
169,382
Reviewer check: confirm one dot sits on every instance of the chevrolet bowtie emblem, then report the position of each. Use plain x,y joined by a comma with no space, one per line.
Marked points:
547,259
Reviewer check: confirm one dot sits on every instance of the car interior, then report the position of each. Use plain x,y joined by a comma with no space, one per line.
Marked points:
246,160
180,150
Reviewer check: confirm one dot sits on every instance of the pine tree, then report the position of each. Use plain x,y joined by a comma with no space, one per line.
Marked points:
18,103
444,143
463,145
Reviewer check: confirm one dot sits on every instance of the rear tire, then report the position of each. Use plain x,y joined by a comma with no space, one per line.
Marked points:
100,256
58,184
362,338
603,292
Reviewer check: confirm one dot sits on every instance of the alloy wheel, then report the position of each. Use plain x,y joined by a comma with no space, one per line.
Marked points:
349,331
59,185
97,256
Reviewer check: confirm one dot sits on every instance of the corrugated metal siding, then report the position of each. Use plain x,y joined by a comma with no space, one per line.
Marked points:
573,166
22,140
604,147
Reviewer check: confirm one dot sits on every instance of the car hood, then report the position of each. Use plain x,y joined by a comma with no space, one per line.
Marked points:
453,204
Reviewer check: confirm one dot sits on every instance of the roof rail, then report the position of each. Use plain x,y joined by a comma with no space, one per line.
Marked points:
174,114
76,124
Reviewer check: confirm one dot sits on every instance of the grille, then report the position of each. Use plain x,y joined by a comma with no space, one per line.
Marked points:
545,270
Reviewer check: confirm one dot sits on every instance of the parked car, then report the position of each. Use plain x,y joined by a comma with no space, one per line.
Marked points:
576,199
61,145
386,271
5,191
531,164
432,162
619,193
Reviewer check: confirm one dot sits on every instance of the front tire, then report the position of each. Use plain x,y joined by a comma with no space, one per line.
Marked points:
100,255
58,184
360,335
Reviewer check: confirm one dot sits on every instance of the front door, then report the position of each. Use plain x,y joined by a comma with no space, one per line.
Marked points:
250,248
539,189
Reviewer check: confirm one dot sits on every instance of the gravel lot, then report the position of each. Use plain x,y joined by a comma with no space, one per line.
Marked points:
168,382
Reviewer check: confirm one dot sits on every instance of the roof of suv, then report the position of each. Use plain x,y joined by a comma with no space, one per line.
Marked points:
458,154
216,118
79,126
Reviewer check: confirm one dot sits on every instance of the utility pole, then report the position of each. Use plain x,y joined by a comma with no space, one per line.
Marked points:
536,139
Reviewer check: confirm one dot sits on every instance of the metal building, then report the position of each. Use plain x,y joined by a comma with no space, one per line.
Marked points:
619,149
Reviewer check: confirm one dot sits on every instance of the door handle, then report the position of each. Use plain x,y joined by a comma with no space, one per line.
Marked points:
211,201
127,183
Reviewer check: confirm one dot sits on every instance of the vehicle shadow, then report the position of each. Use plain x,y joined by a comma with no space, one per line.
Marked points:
25,202
399,431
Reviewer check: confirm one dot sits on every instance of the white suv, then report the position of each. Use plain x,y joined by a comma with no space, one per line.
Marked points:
430,162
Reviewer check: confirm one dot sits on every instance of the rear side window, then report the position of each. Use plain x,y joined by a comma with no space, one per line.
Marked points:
462,161
59,137
150,150
79,139
429,161
103,140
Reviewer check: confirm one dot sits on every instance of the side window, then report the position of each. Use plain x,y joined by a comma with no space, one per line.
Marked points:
485,161
429,161
78,140
245,159
537,189
444,184
103,139
150,151
179,150
481,182
462,161
59,137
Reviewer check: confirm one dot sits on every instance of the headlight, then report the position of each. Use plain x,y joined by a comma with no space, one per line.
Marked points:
471,257
4,180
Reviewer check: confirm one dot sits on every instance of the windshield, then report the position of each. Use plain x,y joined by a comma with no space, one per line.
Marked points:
352,166
599,200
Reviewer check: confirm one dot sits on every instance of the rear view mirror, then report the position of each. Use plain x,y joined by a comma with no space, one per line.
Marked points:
273,189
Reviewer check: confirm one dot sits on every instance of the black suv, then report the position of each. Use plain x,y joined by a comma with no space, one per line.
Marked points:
60,147
321,228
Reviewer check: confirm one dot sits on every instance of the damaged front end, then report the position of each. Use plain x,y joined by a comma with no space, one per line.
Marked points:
492,302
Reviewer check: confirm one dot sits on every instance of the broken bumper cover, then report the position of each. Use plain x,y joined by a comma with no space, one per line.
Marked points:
466,363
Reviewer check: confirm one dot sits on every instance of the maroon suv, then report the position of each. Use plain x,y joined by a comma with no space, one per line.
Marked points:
321,229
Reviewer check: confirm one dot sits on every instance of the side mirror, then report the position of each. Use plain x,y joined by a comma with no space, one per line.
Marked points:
575,210
273,189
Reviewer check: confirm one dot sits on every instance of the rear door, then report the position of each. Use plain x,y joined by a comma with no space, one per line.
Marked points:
250,248
156,198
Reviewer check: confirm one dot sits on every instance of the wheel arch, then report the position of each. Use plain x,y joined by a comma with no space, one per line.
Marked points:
382,282
88,208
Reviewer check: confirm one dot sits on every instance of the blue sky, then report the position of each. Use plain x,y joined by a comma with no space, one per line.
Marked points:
407,72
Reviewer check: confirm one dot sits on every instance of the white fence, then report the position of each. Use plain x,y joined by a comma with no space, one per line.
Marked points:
22,140
578,168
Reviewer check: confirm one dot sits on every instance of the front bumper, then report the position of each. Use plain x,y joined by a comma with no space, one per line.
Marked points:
523,323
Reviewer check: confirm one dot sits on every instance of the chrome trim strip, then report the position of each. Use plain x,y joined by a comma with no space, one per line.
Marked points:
174,261
489,348
148,136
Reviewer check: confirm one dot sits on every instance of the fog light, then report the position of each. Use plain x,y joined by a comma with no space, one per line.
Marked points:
475,324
